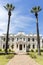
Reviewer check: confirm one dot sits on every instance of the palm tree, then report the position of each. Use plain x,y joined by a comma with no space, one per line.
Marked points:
9,8
35,10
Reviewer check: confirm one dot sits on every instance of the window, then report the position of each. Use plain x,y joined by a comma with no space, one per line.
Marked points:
3,46
42,41
12,39
32,39
29,46
4,39
28,39
17,39
24,45
24,39
33,46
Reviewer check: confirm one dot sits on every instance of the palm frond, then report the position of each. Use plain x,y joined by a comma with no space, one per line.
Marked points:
39,8
36,9
13,8
5,7
9,7
32,11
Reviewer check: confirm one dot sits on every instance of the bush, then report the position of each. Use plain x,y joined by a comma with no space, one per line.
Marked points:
0,49
32,55
32,50
10,56
9,50
41,50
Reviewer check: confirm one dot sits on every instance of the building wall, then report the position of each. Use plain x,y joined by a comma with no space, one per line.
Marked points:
30,39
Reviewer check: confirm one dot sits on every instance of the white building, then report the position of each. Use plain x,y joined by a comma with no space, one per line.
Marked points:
22,42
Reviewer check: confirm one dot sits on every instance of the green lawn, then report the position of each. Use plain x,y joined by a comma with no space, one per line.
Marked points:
4,59
38,58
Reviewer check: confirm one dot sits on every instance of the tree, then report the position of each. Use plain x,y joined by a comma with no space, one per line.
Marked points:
35,10
9,8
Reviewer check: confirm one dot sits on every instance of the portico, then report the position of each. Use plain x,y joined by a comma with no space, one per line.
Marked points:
20,47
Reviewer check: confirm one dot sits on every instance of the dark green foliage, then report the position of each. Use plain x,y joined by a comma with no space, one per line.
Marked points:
32,50
41,50
0,49
32,55
9,50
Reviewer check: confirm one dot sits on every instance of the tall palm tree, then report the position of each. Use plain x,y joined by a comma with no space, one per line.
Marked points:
9,8
35,10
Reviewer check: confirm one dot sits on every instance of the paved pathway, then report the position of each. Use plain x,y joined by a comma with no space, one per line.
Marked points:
22,60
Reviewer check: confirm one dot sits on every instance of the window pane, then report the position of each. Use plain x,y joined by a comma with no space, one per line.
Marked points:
17,39
32,39
33,46
24,45
24,39
29,46
3,46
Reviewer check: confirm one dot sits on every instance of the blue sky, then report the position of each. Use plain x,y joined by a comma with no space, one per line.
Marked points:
22,20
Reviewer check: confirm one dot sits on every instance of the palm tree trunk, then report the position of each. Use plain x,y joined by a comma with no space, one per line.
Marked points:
7,35
38,37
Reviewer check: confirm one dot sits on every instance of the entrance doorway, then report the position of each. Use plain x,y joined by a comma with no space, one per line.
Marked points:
20,47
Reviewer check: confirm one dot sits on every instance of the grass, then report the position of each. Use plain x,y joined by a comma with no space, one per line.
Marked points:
39,59
5,58
36,57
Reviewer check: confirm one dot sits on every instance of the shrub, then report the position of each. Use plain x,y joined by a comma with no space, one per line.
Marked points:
9,50
41,50
10,56
0,49
32,55
32,50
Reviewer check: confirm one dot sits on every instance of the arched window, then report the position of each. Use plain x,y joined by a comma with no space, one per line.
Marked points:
28,39
24,45
29,46
33,39
33,46
3,46
17,39
4,39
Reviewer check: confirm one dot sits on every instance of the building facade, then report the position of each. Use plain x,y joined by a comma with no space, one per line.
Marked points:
21,42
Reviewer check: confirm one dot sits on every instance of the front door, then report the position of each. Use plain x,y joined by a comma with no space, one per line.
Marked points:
20,47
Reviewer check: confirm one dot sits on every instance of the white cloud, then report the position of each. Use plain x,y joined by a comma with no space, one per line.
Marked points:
18,22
